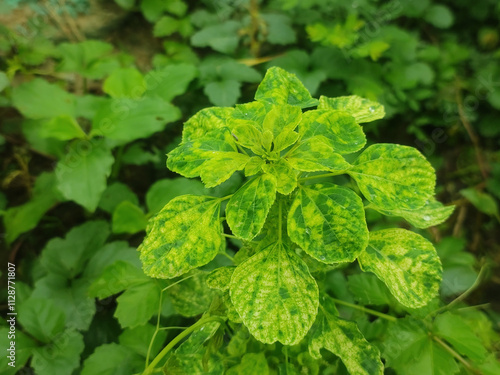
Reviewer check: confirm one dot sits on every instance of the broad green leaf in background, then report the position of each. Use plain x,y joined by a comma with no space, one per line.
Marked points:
128,218
343,338
223,93
247,209
439,16
275,295
407,337
39,99
112,359
125,83
42,319
339,130
286,178
61,357
162,191
82,174
138,339
132,314
281,87
88,105
482,201
368,289
84,241
251,363
205,121
115,194
24,348
406,262
363,110
119,118
279,29
222,37
51,146
328,222
62,127
394,177
432,213
4,81
20,219
185,234
221,166
314,154
169,81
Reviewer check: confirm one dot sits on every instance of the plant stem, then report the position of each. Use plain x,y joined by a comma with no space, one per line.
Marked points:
231,236
366,310
454,354
150,369
320,176
279,220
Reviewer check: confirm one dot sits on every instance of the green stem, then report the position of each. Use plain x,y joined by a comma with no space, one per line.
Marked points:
231,236
321,176
150,369
366,310
226,197
454,354
279,220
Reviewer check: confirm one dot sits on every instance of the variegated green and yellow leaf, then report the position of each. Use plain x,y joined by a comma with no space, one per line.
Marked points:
281,87
205,121
315,155
282,118
251,364
328,222
406,262
221,166
394,177
339,129
247,209
253,166
252,113
188,158
285,139
343,338
286,177
363,110
430,214
275,295
220,278
249,136
184,235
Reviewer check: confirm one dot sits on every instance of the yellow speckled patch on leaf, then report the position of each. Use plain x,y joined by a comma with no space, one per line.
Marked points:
363,110
328,222
343,338
247,209
254,166
184,235
406,262
205,121
282,118
339,129
275,295
220,278
314,155
281,87
219,168
394,177
286,177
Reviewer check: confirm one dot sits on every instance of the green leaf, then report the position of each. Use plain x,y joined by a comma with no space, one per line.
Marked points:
457,332
394,176
188,159
132,314
82,174
281,87
112,359
24,348
252,113
343,338
88,105
223,93
115,194
128,218
284,140
170,81
138,339
42,319
61,357
185,234
220,278
254,166
191,297
20,219
152,9
62,127
247,209
275,295
4,81
314,155
363,110
251,363
84,241
432,213
328,222
127,119
407,337
368,289
248,136
282,118
482,201
279,29
163,191
439,16
285,176
221,166
222,37
406,262
339,130
39,99
125,83
204,121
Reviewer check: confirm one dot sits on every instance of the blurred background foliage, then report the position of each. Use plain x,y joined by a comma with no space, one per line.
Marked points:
93,94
